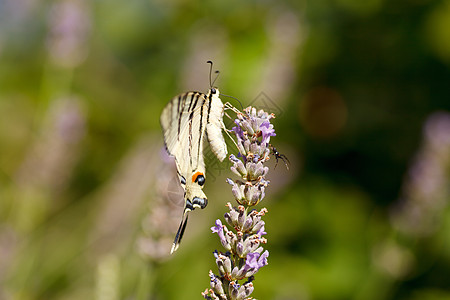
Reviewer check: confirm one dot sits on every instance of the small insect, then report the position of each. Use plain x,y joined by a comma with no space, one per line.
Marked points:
278,155
185,120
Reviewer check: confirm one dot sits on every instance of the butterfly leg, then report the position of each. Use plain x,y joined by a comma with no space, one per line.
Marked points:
228,105
225,113
227,131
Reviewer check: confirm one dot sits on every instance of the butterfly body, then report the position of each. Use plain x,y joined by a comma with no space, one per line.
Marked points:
214,128
185,120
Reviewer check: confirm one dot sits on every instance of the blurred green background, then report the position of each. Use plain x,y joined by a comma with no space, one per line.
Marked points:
89,203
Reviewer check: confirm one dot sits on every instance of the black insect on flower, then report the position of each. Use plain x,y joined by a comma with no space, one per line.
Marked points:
278,156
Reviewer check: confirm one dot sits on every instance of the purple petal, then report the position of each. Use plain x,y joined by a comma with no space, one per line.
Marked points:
267,131
233,158
240,248
261,231
219,230
252,260
262,261
238,130
218,227
243,156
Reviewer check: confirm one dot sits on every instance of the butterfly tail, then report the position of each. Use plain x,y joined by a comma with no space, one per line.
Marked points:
180,232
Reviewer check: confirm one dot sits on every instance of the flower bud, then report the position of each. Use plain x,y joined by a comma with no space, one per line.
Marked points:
251,168
224,264
231,241
246,146
260,170
252,195
240,249
250,245
234,273
220,266
215,283
227,264
234,289
241,147
241,216
259,228
237,191
247,126
245,290
255,149
228,219
232,216
248,224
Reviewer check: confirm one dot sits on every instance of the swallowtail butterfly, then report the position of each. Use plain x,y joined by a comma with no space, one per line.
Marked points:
184,121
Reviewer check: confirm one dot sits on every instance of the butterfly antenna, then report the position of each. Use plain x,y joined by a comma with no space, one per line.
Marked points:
211,82
217,76
234,99
210,71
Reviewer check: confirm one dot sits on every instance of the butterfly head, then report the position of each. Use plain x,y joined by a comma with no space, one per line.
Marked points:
214,92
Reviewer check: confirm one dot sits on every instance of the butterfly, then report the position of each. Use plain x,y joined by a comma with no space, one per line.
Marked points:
186,121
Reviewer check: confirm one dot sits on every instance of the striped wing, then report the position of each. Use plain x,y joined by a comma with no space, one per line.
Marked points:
184,123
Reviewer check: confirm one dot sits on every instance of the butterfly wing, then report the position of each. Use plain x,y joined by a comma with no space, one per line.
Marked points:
184,122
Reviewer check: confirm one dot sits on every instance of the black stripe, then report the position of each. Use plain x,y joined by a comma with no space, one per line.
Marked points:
182,179
171,114
190,142
180,114
190,104
200,128
209,108
191,117
179,102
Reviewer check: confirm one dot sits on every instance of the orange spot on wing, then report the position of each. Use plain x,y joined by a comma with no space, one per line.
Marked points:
194,177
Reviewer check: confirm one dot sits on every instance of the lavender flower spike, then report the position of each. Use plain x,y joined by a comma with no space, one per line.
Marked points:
243,241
